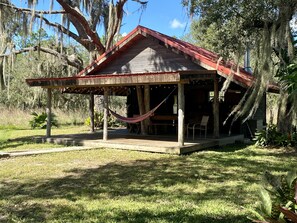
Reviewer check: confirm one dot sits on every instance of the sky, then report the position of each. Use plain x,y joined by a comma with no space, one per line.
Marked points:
165,16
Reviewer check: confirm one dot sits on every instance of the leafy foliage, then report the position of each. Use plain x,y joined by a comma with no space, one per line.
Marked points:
98,121
272,137
40,120
278,199
18,94
290,78
232,26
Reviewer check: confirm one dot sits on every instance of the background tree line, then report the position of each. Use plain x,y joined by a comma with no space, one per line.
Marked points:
268,29
227,27
27,49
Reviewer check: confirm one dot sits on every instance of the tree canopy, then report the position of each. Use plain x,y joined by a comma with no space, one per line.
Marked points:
266,26
58,48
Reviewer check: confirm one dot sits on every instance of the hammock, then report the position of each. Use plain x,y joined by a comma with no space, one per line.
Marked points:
140,117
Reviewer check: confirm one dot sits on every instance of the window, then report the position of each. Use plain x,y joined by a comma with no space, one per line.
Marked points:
211,95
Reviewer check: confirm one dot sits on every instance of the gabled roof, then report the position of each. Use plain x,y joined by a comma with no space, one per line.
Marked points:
203,57
91,76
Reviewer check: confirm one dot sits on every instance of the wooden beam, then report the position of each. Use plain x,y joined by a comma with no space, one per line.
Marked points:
197,74
216,110
106,80
181,111
105,114
49,113
91,112
141,108
147,106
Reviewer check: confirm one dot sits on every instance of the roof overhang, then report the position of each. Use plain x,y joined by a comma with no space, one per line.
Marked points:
122,79
89,78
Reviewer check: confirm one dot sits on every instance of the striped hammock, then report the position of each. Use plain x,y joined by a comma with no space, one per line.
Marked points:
140,117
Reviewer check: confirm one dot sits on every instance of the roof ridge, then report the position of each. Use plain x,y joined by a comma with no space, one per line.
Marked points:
206,58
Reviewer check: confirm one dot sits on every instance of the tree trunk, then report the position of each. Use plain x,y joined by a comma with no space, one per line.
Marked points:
141,108
93,54
91,113
181,114
49,113
216,104
147,107
2,85
105,115
284,117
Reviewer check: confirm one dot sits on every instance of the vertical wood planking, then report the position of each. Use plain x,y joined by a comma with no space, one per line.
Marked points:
148,55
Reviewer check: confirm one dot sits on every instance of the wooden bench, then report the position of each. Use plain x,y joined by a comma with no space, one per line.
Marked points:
162,120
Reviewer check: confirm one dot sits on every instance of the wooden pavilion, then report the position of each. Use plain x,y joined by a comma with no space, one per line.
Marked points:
146,66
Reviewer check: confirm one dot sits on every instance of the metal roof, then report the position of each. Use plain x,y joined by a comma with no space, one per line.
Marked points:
206,59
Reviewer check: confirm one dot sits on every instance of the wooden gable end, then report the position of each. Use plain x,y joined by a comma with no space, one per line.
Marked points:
148,55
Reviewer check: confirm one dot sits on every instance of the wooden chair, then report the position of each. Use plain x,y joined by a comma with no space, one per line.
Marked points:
202,126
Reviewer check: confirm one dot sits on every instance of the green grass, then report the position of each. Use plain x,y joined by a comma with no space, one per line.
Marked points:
22,139
107,185
14,118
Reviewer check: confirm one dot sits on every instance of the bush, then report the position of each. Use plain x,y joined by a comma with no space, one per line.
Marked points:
40,120
272,137
98,121
278,199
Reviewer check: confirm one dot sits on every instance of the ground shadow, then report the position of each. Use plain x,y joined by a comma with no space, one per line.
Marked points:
155,181
12,143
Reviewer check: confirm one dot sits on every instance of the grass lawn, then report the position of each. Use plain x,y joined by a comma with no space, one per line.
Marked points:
21,139
105,185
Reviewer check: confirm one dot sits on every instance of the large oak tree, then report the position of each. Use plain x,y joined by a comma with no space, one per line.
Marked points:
80,20
265,26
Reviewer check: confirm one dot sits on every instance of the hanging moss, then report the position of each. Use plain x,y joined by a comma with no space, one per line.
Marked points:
266,27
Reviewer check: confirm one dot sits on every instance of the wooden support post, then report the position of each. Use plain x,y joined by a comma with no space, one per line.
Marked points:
105,115
141,108
181,108
91,113
147,106
49,113
216,115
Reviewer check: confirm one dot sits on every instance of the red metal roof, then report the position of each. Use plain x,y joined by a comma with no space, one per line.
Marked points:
203,57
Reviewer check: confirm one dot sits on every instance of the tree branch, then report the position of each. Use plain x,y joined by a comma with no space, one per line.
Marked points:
82,39
31,11
114,21
141,2
66,31
69,60
82,20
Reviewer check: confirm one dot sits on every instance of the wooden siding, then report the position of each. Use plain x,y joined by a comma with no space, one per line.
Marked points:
148,55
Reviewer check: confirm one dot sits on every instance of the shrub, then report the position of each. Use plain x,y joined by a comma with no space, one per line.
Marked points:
278,199
40,120
272,137
98,121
